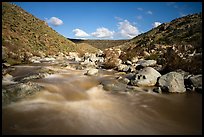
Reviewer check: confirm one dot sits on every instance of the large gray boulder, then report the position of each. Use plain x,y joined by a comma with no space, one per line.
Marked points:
172,82
146,77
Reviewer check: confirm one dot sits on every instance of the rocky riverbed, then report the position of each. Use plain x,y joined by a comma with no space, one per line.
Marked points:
99,94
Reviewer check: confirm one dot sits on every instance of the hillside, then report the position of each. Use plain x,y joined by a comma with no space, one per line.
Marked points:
181,31
100,44
182,36
24,35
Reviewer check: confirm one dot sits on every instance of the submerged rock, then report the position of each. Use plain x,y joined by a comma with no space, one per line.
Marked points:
16,92
8,80
123,80
111,85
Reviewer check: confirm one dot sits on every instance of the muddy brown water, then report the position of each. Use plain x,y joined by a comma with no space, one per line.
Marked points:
73,103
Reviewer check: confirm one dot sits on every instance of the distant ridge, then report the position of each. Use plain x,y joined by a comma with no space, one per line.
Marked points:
100,44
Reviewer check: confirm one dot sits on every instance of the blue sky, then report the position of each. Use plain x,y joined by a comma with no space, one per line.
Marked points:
107,20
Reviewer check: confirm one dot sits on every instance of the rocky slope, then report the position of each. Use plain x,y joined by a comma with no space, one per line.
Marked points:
24,36
175,45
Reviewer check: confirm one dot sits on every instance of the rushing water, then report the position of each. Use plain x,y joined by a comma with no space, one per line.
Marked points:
72,103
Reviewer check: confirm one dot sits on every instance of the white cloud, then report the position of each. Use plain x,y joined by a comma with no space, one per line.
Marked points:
80,33
103,33
149,12
139,17
156,24
54,21
140,9
127,30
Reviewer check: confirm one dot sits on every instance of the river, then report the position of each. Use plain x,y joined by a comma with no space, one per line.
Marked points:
73,103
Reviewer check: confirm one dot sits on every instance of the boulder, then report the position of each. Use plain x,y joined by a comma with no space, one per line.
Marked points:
138,67
19,91
146,77
8,80
172,82
35,59
100,60
145,53
114,86
132,68
87,63
7,77
47,59
6,65
158,67
128,62
91,57
99,53
123,80
147,63
74,56
182,72
41,54
123,68
196,81
92,72
134,59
